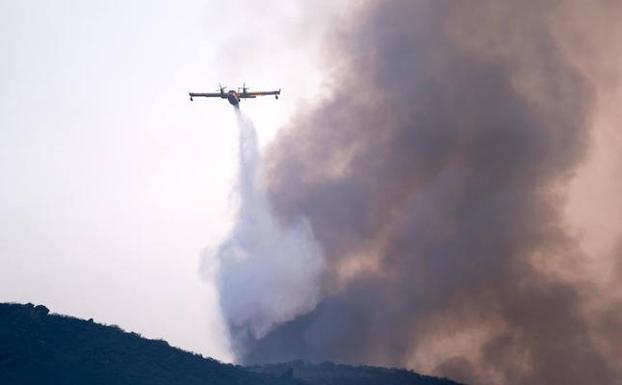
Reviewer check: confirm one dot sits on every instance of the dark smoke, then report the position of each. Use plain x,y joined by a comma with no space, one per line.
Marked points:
433,178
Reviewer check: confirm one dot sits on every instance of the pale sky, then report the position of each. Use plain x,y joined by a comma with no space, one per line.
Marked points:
112,182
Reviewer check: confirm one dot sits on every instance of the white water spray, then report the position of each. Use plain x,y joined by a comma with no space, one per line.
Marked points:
268,273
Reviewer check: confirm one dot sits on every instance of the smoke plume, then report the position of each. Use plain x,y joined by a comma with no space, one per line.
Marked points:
434,180
268,273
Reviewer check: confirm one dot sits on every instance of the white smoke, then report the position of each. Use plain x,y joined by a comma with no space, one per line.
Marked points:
268,273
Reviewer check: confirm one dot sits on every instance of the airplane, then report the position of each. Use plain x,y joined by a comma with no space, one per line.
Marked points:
232,96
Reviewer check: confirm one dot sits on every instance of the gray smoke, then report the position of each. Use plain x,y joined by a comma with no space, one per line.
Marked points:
433,179
267,273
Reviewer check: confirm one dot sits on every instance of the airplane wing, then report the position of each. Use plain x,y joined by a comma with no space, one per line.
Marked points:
205,94
259,93
253,94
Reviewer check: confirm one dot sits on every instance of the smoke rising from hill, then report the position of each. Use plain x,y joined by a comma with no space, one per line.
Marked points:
434,180
268,273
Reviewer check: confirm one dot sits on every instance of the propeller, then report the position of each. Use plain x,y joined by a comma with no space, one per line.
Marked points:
222,88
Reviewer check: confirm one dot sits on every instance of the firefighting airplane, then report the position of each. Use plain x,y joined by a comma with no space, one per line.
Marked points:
232,96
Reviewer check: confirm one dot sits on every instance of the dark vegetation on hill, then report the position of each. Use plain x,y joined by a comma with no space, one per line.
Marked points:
328,373
41,348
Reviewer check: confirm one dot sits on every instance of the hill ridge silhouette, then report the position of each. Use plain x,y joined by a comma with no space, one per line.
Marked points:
37,347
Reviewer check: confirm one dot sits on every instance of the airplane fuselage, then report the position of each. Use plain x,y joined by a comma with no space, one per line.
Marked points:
233,98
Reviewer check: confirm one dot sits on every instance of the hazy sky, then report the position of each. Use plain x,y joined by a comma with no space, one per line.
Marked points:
112,182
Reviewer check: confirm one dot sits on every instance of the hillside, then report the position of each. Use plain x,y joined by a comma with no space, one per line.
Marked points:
41,348
328,373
